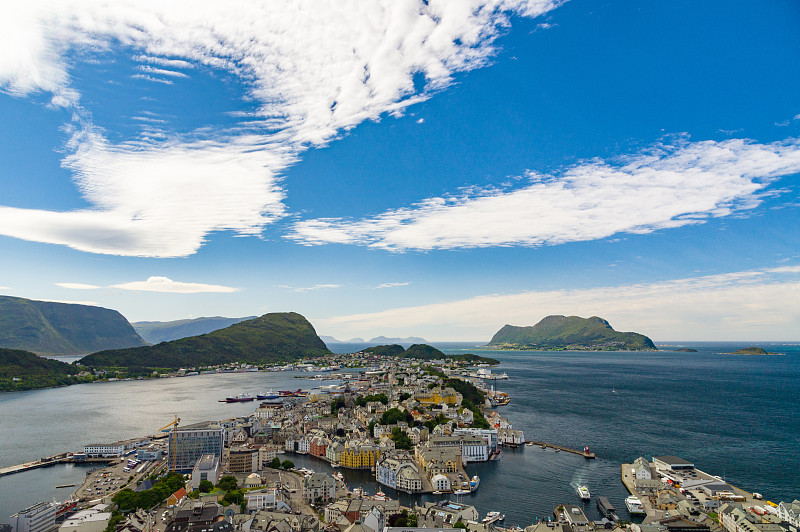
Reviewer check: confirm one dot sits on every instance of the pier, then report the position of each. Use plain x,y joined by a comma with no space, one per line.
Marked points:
42,462
544,445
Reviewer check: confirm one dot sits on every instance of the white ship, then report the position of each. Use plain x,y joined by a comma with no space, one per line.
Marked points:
492,517
583,493
474,483
634,505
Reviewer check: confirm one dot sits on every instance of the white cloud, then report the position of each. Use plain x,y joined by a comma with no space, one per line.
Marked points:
164,284
749,305
421,121
670,186
392,285
78,286
314,67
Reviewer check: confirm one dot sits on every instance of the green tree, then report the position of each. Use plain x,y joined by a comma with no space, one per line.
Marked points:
287,464
392,416
459,524
206,486
401,439
228,483
275,463
371,428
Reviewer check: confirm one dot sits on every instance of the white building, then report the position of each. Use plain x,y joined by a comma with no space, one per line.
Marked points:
474,449
207,468
641,469
510,437
790,512
100,450
266,455
266,499
440,483
490,436
398,472
94,519
318,486
37,518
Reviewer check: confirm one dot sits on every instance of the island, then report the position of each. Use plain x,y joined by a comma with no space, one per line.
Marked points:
570,333
427,352
686,350
753,350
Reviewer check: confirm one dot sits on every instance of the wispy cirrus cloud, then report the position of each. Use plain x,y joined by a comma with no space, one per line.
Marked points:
670,185
748,305
392,285
310,78
165,284
328,286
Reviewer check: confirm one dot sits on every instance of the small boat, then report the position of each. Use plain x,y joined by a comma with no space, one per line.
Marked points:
634,505
461,492
380,496
241,398
338,476
492,517
583,493
358,492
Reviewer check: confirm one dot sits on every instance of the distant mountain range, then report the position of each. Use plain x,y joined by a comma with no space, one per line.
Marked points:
51,328
332,340
275,337
156,332
570,333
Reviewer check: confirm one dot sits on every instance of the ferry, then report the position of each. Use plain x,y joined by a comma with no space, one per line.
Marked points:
583,493
268,395
241,398
474,483
634,505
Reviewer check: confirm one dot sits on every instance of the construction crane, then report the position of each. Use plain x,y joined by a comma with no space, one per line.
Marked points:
174,426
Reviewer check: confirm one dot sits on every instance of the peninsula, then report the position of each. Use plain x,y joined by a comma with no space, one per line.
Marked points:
570,333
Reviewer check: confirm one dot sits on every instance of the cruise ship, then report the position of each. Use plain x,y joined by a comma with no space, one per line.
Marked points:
241,398
583,493
634,505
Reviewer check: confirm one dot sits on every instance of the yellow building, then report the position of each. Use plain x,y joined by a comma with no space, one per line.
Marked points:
438,396
359,456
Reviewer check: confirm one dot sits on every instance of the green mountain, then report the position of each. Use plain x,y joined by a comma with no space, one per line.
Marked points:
426,352
155,332
570,333
62,328
23,370
275,337
751,351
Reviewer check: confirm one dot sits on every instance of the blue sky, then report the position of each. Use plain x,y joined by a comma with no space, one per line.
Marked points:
434,169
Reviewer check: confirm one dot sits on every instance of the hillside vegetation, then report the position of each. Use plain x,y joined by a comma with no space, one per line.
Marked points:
427,352
163,331
62,328
275,337
23,370
570,333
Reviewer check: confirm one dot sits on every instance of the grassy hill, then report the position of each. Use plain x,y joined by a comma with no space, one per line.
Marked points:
570,333
23,370
62,328
275,337
156,332
426,352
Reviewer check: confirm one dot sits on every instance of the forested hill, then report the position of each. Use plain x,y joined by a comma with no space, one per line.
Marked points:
62,328
570,333
275,337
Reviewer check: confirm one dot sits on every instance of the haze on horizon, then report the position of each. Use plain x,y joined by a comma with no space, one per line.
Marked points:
433,169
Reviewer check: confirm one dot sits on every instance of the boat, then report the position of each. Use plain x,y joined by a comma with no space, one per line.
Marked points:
380,496
461,492
492,517
607,509
474,483
338,476
358,492
583,493
268,395
241,398
634,505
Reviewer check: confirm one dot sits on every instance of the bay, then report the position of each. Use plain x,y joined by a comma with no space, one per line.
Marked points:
735,416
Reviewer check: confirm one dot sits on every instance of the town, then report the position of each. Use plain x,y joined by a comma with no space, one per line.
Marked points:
412,424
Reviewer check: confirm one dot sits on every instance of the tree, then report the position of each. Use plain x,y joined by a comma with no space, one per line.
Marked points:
459,524
228,483
392,416
401,439
371,428
206,486
275,463
287,464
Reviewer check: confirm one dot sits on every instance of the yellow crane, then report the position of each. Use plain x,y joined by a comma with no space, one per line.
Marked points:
174,426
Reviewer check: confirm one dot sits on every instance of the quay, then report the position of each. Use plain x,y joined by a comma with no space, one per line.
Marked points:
544,445
62,458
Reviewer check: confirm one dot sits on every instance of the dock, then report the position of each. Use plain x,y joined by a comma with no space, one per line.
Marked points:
41,462
544,445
